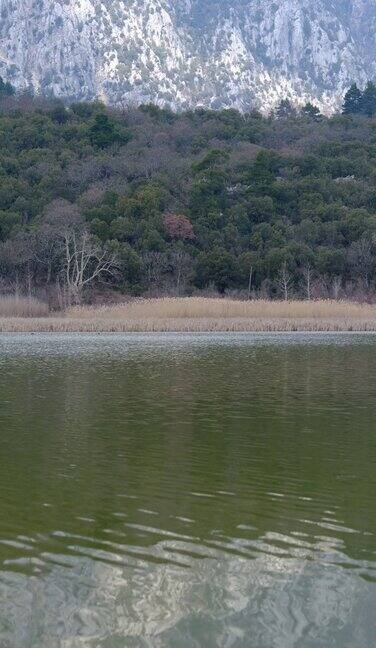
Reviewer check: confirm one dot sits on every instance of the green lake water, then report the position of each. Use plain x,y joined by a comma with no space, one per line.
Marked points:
188,491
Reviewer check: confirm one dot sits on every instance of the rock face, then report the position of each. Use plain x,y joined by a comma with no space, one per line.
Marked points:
184,53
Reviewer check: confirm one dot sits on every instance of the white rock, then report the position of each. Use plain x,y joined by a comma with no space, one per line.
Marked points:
189,52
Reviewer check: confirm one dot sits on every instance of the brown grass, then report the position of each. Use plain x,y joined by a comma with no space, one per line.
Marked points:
209,308
203,314
16,306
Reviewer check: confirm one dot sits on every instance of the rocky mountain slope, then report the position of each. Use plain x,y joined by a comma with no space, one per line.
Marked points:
216,53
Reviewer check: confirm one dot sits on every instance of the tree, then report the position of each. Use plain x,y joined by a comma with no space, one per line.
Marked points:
6,88
308,274
181,266
59,113
285,109
234,195
16,262
105,132
155,264
249,264
212,159
83,258
284,281
368,100
311,111
85,261
361,256
47,248
178,226
336,286
9,221
352,101
218,267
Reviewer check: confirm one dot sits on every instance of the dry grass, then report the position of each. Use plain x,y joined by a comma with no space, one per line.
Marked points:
66,325
202,314
206,308
22,307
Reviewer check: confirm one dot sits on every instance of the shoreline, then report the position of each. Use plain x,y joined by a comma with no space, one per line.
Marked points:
190,315
185,325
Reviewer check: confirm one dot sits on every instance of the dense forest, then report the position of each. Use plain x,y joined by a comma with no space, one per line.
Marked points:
142,200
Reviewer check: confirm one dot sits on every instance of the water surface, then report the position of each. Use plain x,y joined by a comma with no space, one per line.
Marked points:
187,491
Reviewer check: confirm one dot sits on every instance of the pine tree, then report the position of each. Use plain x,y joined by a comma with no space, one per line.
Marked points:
285,109
352,101
368,101
311,111
6,88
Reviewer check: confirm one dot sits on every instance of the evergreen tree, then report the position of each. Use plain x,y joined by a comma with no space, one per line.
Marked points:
368,101
311,111
352,103
285,109
6,88
105,132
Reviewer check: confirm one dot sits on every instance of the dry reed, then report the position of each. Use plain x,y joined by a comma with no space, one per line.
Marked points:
208,308
202,314
67,325
17,306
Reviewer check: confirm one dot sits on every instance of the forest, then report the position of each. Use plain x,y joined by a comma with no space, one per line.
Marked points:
98,201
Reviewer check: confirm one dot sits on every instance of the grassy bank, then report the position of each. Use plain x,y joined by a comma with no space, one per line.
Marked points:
194,314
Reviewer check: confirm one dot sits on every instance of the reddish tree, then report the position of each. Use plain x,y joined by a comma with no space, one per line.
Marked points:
178,226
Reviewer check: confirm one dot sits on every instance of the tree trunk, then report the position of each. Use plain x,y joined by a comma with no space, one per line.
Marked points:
250,282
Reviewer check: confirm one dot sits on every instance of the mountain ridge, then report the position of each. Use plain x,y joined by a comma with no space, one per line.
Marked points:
214,53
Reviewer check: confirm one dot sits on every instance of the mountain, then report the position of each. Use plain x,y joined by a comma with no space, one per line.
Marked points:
184,53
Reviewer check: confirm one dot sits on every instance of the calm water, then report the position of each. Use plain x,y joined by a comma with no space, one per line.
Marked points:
187,491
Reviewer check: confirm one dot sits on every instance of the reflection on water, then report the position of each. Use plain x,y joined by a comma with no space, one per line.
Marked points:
184,490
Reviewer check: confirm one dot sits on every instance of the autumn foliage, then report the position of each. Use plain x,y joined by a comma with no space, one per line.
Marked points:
178,226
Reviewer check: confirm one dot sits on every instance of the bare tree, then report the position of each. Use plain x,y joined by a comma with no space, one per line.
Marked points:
16,263
181,266
284,281
47,249
83,258
248,261
308,274
85,261
155,265
250,281
362,258
336,286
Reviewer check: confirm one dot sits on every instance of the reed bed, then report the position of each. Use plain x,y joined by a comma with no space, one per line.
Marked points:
218,309
201,315
17,306
67,325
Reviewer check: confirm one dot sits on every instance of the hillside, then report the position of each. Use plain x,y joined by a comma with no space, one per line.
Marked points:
148,201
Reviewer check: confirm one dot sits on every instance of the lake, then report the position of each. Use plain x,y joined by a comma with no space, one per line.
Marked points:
188,490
